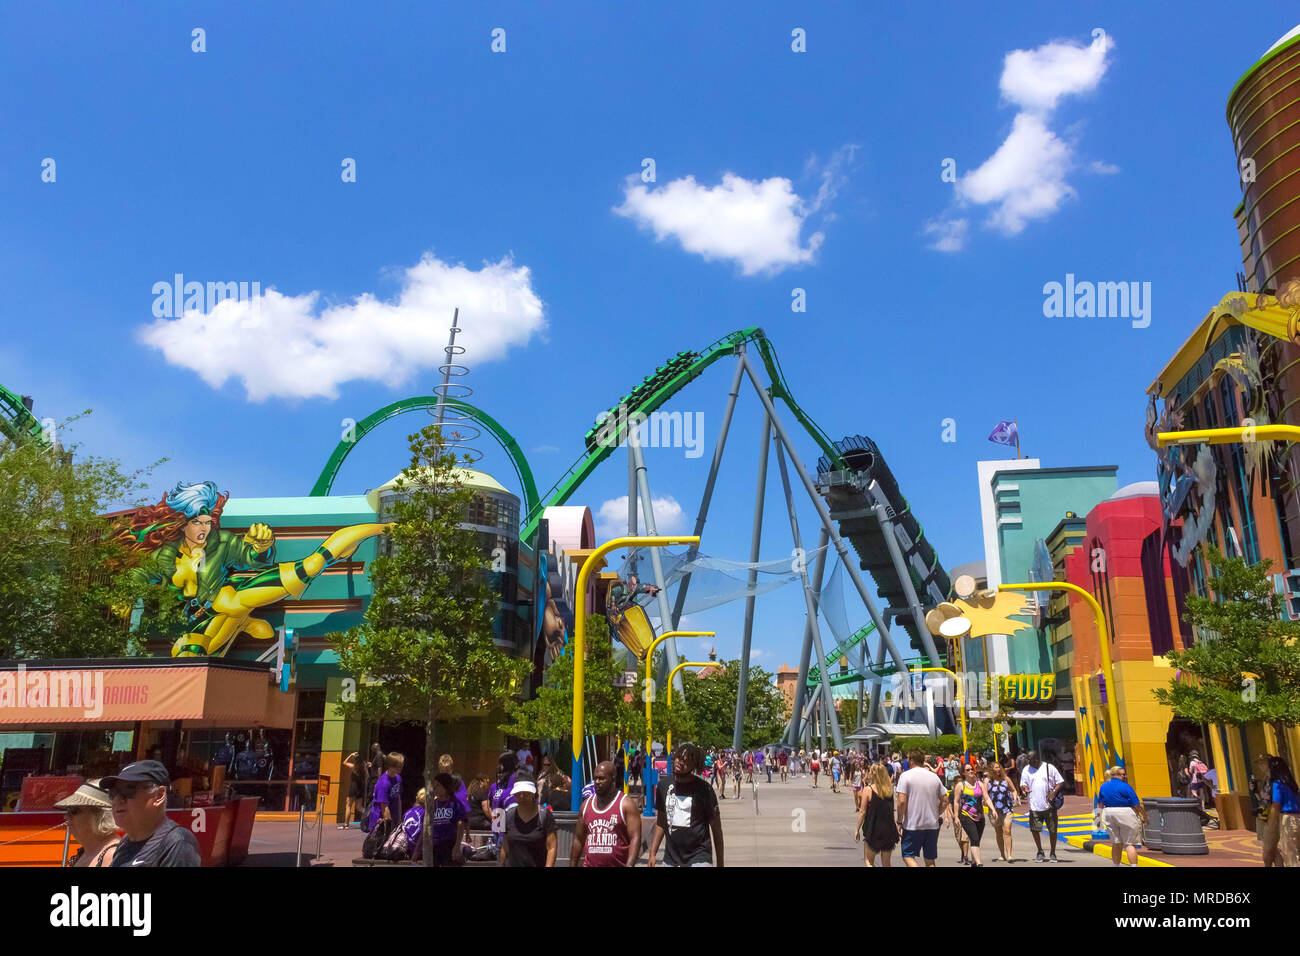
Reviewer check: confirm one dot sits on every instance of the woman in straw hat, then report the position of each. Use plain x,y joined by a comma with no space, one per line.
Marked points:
89,815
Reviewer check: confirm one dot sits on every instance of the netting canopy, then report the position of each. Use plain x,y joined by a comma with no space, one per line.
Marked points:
713,581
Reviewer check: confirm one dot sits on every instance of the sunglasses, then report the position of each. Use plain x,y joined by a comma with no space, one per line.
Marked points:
129,792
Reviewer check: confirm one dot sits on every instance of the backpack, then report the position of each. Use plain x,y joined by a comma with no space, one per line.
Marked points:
376,839
396,847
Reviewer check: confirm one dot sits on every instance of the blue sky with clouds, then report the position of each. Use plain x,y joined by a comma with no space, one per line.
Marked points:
509,184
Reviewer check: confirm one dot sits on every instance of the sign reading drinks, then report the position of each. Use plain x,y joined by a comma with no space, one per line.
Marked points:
1024,688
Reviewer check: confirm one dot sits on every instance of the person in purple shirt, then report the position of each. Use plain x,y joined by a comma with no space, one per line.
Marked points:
500,795
459,790
447,820
413,828
387,801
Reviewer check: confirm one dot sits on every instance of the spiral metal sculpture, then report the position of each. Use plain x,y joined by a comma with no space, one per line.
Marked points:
458,429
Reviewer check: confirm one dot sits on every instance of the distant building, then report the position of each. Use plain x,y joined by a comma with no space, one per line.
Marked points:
787,678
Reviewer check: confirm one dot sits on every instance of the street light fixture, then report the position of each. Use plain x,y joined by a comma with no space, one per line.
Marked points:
580,637
1103,635
645,688
670,693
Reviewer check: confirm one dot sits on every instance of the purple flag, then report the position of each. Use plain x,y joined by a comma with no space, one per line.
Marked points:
1005,433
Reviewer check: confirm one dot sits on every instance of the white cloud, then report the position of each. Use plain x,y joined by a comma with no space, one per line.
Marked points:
546,450
950,234
1024,179
293,346
1036,80
833,176
1102,168
611,517
755,224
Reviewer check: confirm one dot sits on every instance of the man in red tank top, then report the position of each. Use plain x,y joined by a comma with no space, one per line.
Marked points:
609,827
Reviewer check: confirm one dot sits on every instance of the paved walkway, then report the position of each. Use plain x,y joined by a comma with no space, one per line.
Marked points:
799,826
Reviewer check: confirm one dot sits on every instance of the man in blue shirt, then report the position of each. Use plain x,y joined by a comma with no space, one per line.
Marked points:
1118,808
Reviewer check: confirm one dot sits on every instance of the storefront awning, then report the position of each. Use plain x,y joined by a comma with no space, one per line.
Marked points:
200,691
888,731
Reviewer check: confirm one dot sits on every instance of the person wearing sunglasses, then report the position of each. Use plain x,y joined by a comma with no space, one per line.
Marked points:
89,816
139,801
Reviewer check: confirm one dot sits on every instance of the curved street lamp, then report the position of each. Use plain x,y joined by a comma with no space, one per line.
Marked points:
645,687
1103,635
580,637
670,691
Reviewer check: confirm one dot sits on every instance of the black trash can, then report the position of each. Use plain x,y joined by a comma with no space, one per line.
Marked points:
566,823
1152,838
1180,827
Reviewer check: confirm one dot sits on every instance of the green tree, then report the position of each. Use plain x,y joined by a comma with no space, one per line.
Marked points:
711,706
425,651
606,709
1245,664
59,577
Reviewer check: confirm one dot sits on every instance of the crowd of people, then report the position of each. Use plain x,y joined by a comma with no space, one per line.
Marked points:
509,818
909,799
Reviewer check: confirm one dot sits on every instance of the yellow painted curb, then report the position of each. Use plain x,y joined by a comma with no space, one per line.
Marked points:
1103,850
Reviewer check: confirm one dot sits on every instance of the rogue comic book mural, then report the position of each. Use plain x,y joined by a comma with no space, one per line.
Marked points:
221,577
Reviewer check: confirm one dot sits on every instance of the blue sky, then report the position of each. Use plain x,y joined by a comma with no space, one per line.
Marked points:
502,174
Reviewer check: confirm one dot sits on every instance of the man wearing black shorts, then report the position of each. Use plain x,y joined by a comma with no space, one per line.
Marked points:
1041,782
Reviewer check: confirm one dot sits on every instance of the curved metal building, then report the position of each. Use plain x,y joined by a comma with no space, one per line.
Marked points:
1264,116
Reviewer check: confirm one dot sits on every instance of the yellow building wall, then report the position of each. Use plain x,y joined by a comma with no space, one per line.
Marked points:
1144,724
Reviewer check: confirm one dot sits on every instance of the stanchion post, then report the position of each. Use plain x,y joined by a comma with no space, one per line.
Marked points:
302,819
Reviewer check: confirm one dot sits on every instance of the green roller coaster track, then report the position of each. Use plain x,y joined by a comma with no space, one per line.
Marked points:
647,397
651,394
377,418
17,423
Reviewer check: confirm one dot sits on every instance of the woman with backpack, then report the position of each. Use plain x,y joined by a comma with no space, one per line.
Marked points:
528,836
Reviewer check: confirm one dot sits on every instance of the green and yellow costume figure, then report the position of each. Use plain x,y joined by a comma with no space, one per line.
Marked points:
212,567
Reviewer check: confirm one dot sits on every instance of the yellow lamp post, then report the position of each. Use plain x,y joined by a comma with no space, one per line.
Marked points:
961,697
645,688
580,636
670,690
1103,638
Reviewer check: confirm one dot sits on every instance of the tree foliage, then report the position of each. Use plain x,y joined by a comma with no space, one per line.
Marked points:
1245,664
60,578
425,651
606,709
711,707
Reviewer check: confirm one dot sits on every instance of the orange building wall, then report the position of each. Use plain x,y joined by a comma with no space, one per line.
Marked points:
1118,528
